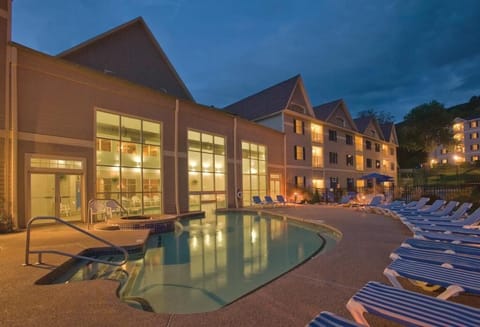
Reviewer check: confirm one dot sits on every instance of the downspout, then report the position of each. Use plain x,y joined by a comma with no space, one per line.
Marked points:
14,133
235,179
177,108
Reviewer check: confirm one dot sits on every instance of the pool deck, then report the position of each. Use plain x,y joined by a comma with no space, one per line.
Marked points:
325,282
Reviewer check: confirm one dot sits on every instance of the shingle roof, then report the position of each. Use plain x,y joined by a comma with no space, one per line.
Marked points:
362,123
265,102
324,111
386,130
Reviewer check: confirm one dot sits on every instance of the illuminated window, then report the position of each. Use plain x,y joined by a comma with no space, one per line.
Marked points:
299,152
128,162
377,164
392,151
444,161
359,162
206,170
474,136
254,171
358,143
317,133
298,127
318,183
300,181
443,151
474,147
475,158
473,124
317,156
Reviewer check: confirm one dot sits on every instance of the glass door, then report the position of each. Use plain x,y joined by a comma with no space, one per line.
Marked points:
56,194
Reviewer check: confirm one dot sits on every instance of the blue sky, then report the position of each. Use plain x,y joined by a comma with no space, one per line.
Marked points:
389,55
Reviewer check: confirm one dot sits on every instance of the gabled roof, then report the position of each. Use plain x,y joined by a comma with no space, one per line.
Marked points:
331,111
86,53
268,101
364,122
389,132
324,111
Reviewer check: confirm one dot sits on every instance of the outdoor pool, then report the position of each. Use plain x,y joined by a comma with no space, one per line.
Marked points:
210,262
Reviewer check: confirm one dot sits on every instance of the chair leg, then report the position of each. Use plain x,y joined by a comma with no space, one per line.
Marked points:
357,310
392,277
452,290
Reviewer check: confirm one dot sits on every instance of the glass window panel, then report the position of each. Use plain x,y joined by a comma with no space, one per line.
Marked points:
246,182
221,201
194,202
194,161
253,166
219,164
131,129
262,183
194,181
246,165
219,145
254,181
207,162
245,150
151,156
208,197
219,182
207,143
262,169
151,133
131,154
151,180
253,151
108,179
261,152
108,152
207,182
108,125
194,140
131,181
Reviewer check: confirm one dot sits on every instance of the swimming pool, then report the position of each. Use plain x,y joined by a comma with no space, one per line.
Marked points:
210,262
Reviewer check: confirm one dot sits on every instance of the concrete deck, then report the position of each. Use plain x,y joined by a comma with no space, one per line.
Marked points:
325,282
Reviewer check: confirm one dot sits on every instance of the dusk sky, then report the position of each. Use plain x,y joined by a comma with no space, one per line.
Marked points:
381,54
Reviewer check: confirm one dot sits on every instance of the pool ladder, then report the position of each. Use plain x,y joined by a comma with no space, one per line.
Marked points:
41,252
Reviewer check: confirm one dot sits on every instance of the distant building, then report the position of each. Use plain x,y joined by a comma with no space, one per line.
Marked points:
466,133
111,118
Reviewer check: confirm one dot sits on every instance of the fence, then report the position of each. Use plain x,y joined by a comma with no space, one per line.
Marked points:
446,192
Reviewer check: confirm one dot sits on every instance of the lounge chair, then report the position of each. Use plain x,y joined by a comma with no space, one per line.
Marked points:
453,238
441,246
457,214
328,319
269,201
257,201
436,205
415,206
460,261
472,219
374,202
454,280
409,308
281,200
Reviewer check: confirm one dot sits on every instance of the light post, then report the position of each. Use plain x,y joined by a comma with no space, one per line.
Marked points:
456,159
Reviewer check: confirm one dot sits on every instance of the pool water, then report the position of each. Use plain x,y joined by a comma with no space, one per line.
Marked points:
210,262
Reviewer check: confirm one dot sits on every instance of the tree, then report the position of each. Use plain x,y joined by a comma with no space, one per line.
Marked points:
381,116
425,127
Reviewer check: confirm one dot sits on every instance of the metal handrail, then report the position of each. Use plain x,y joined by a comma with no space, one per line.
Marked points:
40,252
90,209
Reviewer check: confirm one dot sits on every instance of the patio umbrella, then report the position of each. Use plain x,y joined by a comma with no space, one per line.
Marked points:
377,178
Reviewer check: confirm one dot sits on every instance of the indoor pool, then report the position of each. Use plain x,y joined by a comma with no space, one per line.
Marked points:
210,262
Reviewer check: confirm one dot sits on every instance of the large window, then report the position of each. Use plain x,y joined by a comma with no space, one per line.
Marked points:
348,139
317,133
206,171
129,162
317,156
333,157
254,171
332,135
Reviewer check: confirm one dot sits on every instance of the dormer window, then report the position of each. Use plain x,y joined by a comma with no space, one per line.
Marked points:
297,108
372,132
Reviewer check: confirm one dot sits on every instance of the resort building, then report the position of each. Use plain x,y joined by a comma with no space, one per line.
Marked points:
111,118
466,146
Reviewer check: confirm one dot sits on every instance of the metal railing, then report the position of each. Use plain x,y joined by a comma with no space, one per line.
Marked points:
40,252
103,207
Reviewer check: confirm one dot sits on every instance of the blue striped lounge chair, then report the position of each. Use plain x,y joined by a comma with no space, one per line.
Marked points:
454,280
269,201
409,308
453,238
460,261
257,201
435,206
457,214
471,220
441,246
412,208
328,319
